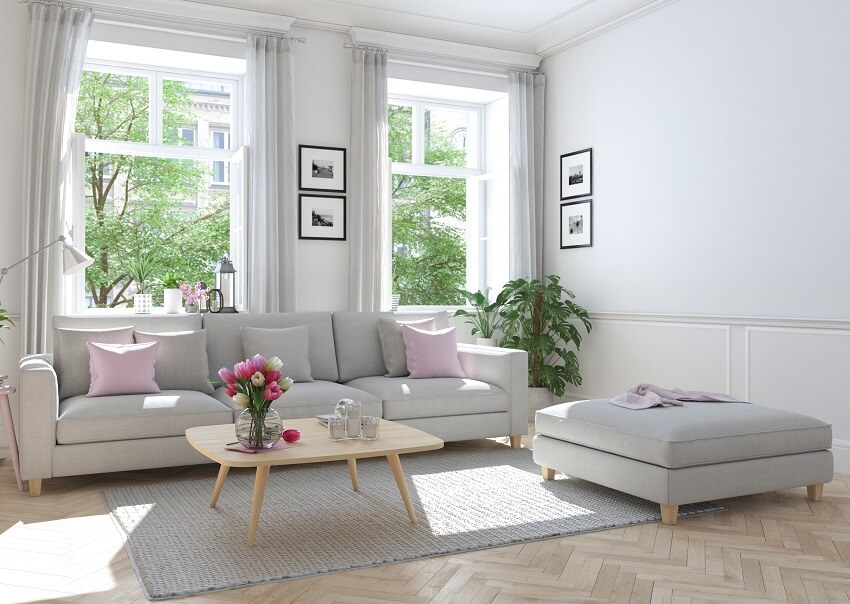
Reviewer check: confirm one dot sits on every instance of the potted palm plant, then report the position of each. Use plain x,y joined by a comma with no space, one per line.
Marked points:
484,319
140,270
540,318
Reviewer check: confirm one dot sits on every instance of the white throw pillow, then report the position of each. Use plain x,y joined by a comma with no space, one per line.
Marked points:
392,344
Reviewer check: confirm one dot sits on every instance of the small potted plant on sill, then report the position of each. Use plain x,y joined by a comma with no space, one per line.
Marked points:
540,318
5,321
484,319
171,295
140,270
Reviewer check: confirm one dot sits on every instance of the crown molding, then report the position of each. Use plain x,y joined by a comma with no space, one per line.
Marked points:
191,15
443,52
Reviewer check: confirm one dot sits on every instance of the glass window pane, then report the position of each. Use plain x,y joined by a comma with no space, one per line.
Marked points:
204,107
400,121
429,239
145,205
113,106
446,133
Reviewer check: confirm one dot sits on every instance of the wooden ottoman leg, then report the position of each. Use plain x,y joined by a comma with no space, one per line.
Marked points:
516,441
669,514
548,473
815,492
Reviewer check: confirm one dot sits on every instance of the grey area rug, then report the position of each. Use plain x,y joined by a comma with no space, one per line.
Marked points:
312,521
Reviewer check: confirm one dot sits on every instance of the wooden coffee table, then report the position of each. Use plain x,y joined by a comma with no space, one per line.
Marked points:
313,447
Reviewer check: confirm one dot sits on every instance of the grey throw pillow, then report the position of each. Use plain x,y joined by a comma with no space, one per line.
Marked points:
182,362
392,344
291,345
71,355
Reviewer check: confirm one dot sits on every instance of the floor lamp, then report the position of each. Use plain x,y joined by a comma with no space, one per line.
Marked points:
73,260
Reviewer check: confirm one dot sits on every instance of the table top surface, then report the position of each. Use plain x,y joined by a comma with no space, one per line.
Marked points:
314,446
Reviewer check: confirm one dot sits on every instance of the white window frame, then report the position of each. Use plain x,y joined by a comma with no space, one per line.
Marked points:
475,191
156,148
228,144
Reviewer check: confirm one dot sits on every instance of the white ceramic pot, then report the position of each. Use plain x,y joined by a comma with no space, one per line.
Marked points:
538,398
172,299
142,303
485,341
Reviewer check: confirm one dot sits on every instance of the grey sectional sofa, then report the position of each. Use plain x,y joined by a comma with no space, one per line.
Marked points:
63,432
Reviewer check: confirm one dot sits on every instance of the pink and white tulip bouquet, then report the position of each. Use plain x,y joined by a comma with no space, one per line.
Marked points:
255,383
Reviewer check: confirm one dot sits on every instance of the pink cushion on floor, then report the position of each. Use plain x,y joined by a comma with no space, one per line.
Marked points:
431,353
122,368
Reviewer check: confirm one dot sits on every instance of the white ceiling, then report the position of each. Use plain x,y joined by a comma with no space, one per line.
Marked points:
533,26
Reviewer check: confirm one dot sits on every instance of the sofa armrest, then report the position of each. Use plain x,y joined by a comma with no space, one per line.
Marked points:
503,367
38,394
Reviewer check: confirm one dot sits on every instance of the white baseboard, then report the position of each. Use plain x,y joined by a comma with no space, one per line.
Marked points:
841,456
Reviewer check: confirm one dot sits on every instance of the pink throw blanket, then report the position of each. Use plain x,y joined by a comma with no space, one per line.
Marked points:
644,396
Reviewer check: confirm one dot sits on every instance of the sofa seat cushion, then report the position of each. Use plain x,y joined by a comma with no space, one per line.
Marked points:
168,413
691,435
309,399
407,398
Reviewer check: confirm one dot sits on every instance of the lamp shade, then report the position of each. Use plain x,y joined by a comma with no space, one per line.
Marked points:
73,260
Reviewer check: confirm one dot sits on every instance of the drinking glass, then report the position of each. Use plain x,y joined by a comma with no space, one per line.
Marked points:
336,428
371,427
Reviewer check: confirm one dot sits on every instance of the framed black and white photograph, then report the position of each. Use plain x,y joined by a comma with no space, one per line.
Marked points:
321,169
321,217
577,224
577,174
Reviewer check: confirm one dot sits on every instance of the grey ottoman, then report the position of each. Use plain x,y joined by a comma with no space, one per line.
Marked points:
678,455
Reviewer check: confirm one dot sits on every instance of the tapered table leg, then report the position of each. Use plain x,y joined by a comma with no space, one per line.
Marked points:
257,503
398,474
352,469
222,474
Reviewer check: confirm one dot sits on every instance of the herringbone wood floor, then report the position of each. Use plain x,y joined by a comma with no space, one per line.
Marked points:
774,547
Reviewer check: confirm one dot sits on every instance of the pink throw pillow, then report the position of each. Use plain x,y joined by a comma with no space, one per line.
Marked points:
122,368
431,353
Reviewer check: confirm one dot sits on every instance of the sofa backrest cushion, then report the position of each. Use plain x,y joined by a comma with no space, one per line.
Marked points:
290,344
224,338
71,357
358,346
181,362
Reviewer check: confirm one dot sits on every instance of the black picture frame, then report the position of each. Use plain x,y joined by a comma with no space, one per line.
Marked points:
577,224
577,174
321,168
321,217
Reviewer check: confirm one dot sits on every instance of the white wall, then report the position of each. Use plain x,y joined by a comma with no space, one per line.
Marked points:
721,144
322,108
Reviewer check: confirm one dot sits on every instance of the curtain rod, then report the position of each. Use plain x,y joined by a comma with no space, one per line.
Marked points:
363,46
57,3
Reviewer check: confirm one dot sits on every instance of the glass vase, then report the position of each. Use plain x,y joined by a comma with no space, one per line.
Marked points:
258,429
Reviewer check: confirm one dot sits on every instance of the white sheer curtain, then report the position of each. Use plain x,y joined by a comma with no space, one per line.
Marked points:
369,207
272,212
58,36
526,174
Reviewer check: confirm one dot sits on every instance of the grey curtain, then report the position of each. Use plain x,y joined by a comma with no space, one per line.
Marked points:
369,207
272,219
58,36
526,174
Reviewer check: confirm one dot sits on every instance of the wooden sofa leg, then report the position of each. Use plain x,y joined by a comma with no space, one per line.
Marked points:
669,514
516,441
815,492
35,487
548,473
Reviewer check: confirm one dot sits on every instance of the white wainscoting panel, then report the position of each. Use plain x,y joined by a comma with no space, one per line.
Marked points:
619,354
800,365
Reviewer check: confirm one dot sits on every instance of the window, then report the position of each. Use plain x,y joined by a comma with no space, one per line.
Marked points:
435,148
158,165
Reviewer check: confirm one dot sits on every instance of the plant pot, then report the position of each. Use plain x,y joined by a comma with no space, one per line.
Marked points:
538,398
142,303
485,341
171,300
192,307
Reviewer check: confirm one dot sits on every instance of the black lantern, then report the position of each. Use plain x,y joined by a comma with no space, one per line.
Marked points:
225,286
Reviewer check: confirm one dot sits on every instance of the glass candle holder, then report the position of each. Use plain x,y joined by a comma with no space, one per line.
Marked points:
336,428
371,427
